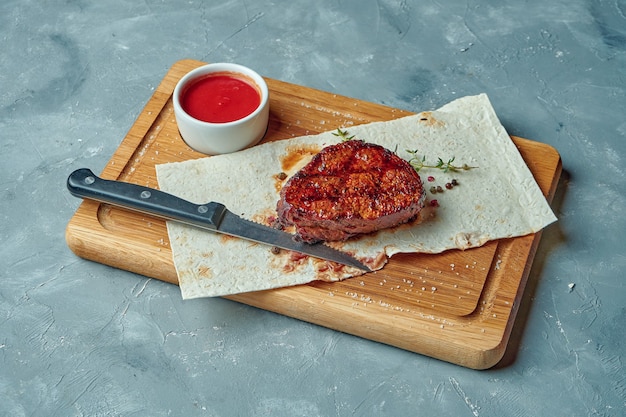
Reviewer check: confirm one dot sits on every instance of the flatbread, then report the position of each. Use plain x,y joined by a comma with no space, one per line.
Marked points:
498,199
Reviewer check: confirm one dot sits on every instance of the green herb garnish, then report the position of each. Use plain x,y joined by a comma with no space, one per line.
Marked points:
343,134
417,163
420,163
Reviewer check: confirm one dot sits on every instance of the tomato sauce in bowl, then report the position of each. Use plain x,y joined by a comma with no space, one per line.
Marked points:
220,98
221,108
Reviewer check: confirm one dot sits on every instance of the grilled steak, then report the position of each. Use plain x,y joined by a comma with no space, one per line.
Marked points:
348,189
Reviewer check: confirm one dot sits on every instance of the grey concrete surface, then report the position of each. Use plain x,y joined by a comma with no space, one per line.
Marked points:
81,339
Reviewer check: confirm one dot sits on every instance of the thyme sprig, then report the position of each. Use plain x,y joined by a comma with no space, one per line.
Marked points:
416,162
343,134
420,163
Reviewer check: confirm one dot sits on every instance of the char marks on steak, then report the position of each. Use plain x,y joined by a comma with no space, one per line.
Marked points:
350,188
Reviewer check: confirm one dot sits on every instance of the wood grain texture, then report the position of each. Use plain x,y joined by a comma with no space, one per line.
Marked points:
458,306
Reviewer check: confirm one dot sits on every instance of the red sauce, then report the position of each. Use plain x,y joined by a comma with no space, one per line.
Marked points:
220,98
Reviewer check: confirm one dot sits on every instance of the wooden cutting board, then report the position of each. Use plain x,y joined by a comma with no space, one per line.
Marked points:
458,306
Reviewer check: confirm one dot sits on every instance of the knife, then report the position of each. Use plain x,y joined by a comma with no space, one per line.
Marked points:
212,216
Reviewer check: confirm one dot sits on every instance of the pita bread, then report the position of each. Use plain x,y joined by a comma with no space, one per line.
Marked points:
499,199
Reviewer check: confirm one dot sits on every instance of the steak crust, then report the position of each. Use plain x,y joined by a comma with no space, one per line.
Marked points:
348,189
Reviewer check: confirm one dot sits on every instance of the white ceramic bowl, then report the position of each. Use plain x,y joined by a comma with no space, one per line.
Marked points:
218,138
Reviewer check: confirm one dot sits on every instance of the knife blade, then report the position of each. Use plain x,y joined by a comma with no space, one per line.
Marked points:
212,216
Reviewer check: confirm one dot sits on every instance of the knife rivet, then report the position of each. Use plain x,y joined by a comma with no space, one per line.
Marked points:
89,180
145,194
202,209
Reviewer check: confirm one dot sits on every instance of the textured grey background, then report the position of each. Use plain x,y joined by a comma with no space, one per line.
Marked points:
81,339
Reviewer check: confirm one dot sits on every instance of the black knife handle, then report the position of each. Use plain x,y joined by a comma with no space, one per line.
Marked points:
83,183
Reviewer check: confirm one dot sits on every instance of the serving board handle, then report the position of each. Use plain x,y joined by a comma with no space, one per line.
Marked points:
83,183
